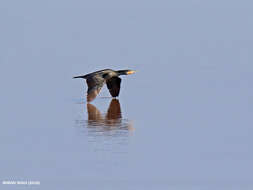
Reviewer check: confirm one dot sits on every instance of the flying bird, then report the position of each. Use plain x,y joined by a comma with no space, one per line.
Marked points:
96,80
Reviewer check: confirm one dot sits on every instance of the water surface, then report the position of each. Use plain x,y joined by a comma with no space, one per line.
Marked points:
183,121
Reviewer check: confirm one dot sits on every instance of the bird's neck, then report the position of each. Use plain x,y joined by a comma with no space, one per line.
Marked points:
122,72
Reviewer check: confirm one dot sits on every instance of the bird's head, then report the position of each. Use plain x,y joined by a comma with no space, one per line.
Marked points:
125,72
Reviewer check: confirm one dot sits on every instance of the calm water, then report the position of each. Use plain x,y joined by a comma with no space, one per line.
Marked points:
183,121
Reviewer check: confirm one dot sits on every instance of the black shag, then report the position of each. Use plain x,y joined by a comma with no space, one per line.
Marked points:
96,80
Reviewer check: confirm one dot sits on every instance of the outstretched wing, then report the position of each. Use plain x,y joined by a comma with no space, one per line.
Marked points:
113,85
95,83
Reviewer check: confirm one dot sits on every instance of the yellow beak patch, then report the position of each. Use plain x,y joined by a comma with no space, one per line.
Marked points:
130,72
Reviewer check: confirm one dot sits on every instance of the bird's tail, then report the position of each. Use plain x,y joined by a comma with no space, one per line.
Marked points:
82,77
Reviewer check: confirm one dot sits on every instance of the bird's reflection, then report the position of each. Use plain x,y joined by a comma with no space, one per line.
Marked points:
112,120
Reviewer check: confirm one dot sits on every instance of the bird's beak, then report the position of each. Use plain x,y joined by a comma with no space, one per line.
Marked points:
131,72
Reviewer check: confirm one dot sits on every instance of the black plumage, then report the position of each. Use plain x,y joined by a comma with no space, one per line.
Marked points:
96,80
